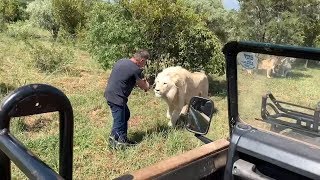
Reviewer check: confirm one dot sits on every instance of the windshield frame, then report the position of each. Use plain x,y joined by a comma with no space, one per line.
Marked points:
231,50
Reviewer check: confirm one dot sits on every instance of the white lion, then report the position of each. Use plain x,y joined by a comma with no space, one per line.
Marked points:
177,86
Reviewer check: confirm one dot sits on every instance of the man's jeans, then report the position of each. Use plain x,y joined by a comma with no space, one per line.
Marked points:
121,115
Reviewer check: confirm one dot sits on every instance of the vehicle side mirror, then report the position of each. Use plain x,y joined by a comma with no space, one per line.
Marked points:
199,116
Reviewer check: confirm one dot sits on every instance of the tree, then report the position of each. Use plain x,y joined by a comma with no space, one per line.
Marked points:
283,22
71,14
171,30
217,18
41,13
112,34
308,11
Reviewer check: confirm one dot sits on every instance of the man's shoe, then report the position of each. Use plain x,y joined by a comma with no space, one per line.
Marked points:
124,141
120,142
112,142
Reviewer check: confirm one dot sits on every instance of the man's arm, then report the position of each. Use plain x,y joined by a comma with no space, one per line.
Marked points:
143,84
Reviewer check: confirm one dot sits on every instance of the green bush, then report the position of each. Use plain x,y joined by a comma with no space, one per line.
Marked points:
12,10
112,34
200,49
173,32
41,14
22,30
3,26
51,59
71,14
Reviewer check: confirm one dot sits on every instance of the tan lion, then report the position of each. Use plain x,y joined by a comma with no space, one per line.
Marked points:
268,63
177,86
277,65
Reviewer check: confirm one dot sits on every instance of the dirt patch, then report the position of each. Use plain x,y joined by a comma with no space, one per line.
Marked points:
135,121
71,84
37,122
84,83
98,116
155,102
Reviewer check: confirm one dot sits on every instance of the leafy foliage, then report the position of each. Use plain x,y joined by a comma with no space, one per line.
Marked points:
3,25
41,14
50,59
214,15
282,22
71,14
308,11
12,10
21,30
171,30
198,46
112,34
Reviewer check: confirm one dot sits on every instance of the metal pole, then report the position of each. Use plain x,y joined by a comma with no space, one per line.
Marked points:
36,99
27,162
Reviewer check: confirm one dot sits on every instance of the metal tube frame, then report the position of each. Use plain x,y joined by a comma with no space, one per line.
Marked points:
29,100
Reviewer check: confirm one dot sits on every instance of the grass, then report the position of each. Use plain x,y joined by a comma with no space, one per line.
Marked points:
300,88
84,83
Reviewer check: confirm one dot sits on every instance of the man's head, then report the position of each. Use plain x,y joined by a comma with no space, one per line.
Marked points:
141,57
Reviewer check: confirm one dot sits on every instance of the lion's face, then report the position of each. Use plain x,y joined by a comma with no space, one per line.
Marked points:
163,84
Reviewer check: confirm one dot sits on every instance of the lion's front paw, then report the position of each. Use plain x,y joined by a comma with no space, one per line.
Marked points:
170,123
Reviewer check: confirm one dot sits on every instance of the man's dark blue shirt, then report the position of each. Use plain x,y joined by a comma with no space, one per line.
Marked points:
122,80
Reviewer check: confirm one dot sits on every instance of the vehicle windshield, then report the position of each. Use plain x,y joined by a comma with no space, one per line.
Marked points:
280,94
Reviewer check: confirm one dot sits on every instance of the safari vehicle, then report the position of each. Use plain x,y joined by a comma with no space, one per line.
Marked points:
269,138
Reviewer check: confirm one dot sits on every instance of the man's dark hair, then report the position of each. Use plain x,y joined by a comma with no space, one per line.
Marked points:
142,54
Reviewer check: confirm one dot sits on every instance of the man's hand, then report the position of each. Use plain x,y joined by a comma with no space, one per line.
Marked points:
147,85
143,84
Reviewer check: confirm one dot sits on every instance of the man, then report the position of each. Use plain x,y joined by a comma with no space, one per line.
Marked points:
125,74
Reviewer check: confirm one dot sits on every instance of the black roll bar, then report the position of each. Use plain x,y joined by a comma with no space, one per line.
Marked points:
30,100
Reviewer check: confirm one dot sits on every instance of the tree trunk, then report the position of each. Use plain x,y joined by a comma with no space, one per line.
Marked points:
55,31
